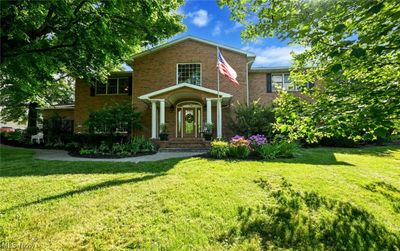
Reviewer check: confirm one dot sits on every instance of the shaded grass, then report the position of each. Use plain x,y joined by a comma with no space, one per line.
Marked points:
327,198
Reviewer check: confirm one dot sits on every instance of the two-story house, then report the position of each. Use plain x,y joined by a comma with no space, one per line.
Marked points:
176,84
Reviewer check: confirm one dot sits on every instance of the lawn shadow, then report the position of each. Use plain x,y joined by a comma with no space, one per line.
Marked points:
388,191
30,167
298,220
304,156
102,185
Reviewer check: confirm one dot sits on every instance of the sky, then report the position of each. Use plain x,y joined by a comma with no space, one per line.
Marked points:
205,19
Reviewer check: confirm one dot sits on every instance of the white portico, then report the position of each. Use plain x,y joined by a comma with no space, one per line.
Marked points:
186,103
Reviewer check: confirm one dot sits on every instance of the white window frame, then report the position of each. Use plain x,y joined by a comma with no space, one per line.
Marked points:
118,78
201,72
295,89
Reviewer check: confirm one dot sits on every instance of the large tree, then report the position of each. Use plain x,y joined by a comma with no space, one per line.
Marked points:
41,41
352,51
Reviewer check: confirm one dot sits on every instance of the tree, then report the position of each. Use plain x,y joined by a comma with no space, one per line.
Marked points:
42,40
110,118
352,52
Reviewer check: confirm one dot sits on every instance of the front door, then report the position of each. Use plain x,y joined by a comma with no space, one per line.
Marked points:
189,119
189,122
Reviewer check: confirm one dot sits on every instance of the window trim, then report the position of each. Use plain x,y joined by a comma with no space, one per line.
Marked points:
106,94
273,89
201,72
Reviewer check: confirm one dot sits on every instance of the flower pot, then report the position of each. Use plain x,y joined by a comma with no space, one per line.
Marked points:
207,136
163,136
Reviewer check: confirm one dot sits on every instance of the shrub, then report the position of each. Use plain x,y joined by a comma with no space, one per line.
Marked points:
219,149
239,147
110,118
287,149
120,149
104,148
72,146
278,150
268,151
239,152
252,119
87,151
147,146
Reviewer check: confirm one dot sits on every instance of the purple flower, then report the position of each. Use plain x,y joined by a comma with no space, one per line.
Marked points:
258,139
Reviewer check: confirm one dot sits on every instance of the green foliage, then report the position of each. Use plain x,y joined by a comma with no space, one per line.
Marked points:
352,48
268,151
238,152
111,117
219,149
163,128
88,151
72,146
16,136
278,150
45,42
252,119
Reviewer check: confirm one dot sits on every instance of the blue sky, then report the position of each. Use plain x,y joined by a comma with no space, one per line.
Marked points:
205,19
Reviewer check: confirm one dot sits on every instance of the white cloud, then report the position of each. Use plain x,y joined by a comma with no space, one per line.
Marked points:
217,29
200,18
273,55
234,28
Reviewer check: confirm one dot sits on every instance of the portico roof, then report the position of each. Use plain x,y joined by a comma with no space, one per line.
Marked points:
192,88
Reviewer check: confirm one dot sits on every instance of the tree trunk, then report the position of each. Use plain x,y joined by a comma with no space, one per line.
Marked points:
32,118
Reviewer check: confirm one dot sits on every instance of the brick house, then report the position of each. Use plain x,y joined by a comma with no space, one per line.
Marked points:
176,84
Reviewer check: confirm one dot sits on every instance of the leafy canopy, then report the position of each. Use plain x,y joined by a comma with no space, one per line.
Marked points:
352,52
41,40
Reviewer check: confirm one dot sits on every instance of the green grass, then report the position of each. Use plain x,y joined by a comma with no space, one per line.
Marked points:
327,198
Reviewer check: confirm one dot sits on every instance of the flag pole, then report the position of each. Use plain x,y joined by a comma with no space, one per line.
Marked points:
218,100
217,74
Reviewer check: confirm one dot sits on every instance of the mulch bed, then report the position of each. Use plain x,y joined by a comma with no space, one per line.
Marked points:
107,156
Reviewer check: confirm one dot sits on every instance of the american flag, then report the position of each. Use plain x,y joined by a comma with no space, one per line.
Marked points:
225,69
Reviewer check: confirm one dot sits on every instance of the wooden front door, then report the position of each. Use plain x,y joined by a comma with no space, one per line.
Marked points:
189,122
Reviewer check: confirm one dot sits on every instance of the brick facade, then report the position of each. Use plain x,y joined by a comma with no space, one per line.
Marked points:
158,70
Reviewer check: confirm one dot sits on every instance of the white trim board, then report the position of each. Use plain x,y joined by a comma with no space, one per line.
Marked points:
178,86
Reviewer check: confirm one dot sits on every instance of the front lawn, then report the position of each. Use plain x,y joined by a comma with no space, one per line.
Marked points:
328,198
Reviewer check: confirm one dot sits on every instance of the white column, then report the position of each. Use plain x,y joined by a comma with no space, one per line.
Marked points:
162,111
153,119
209,111
219,119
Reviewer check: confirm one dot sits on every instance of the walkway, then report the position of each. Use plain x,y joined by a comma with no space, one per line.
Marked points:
46,154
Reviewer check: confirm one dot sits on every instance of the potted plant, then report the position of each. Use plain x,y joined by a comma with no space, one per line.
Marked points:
208,130
163,132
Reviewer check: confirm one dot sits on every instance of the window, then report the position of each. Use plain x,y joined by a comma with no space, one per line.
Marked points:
113,86
189,73
282,80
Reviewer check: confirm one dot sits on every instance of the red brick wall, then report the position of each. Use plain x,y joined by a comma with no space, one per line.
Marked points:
84,103
258,88
158,70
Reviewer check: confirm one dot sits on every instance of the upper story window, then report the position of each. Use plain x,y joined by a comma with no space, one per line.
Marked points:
282,81
115,85
188,73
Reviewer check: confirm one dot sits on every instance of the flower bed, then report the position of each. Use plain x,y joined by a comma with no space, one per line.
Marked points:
253,147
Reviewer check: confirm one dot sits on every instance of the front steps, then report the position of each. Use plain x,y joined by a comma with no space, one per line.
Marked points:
183,144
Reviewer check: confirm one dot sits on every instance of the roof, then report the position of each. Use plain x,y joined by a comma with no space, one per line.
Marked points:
178,86
270,69
59,107
201,40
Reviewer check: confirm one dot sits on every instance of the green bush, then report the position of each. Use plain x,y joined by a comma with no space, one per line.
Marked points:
287,149
268,151
278,150
219,149
87,151
104,148
238,152
253,119
72,146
